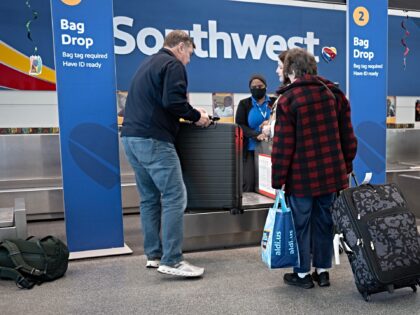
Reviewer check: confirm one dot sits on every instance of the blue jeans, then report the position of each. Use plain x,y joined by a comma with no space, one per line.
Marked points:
163,196
314,230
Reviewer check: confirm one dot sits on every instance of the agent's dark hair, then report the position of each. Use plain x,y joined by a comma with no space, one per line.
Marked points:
257,77
176,37
300,62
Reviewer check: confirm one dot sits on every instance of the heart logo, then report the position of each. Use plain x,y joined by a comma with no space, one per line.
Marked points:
329,53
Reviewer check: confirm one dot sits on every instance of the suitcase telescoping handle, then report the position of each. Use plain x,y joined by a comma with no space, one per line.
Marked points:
212,119
352,175
366,180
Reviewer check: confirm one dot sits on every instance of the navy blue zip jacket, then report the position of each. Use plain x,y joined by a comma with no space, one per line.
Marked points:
157,99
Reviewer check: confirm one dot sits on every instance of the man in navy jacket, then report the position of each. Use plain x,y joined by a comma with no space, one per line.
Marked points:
156,100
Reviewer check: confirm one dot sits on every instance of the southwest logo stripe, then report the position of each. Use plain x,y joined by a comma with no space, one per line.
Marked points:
20,62
13,79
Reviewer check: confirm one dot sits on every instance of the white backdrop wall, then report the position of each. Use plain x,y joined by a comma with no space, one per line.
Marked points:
30,109
26,109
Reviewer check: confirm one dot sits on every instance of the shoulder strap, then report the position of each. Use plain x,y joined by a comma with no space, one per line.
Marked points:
17,258
274,106
328,89
21,281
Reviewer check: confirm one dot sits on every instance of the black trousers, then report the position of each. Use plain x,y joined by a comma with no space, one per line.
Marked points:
249,172
314,230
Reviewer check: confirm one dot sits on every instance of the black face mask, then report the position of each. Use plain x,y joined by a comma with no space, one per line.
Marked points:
258,93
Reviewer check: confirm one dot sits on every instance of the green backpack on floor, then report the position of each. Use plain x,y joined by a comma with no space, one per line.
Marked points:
33,261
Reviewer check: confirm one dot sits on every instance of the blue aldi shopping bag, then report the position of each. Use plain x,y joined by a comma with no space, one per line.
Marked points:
279,247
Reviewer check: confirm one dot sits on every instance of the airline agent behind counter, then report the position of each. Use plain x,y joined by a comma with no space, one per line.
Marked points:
252,112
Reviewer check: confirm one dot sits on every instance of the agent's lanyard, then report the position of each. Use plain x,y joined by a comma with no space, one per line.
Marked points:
263,113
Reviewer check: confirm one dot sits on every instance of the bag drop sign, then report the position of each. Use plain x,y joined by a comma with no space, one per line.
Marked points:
358,52
71,39
367,83
85,75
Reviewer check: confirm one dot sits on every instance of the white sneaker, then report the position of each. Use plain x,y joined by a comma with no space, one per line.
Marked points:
153,263
182,269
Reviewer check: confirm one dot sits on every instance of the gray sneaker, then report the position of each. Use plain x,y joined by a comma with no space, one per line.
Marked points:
182,269
153,263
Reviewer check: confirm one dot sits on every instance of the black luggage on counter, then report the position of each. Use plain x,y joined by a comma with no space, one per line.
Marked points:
211,160
380,238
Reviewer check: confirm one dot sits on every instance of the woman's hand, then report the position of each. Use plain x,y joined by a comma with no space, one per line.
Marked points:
266,130
261,137
264,123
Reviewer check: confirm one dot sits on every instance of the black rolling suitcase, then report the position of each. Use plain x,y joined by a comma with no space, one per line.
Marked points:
380,238
211,160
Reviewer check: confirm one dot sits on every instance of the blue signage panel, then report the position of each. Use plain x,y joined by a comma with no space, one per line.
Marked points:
367,34
234,39
85,70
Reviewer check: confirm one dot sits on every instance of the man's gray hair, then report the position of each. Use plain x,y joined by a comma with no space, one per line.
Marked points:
176,37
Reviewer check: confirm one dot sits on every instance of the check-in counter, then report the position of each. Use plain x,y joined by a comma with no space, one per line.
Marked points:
262,174
403,163
31,168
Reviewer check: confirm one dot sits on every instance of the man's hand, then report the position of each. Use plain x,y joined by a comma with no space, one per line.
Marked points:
201,110
204,120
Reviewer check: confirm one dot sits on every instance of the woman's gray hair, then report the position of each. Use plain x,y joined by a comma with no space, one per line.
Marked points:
299,62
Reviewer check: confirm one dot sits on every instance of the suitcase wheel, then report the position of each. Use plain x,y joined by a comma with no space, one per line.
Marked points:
414,288
390,288
366,296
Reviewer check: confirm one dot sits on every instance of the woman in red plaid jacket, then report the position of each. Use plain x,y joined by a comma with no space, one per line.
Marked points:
313,149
